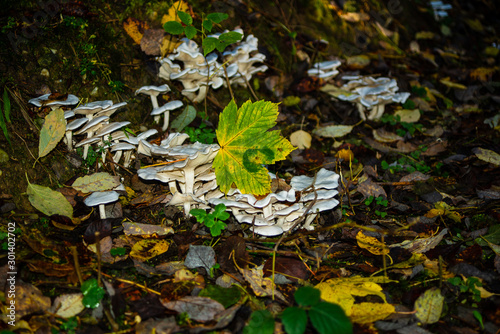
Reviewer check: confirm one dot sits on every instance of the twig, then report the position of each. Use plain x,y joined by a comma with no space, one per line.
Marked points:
74,252
98,251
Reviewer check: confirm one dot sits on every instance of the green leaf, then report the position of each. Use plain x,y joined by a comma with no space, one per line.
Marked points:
207,25
3,126
220,212
217,17
326,316
190,31
92,293
184,119
6,105
217,228
230,37
226,296
261,322
49,201
119,251
295,320
307,296
52,131
246,144
199,214
185,18
173,27
209,44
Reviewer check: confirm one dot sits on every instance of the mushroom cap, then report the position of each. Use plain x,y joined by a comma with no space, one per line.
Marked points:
167,107
324,179
39,101
146,134
327,65
111,109
124,136
88,141
122,147
92,107
153,90
73,125
108,128
68,114
96,121
174,139
101,197
268,231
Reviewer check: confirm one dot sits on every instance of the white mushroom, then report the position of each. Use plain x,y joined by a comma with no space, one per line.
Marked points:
92,108
319,70
372,94
42,101
72,126
101,198
119,149
165,110
153,92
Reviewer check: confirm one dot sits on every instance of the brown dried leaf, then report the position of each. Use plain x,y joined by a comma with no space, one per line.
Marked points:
370,188
135,29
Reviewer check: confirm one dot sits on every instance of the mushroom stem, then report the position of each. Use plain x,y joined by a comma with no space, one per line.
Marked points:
361,109
102,211
154,102
189,188
166,119
126,158
69,140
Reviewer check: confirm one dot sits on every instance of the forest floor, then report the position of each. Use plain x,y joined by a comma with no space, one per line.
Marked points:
413,245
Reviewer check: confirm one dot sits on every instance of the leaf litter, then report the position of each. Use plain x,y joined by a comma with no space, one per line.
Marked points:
434,161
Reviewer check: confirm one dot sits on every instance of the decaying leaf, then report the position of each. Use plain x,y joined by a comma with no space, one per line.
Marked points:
96,182
200,256
301,139
487,155
135,29
422,245
333,131
246,144
68,305
52,131
371,244
148,248
146,230
443,209
408,115
262,287
198,308
172,12
365,313
49,201
384,136
342,291
429,306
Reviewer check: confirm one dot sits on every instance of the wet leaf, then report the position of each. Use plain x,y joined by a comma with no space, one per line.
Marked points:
366,313
92,293
261,322
429,306
200,256
146,230
226,296
487,155
49,201
198,308
172,12
294,320
261,286
147,249
384,136
371,244
135,29
326,316
69,305
408,115
52,131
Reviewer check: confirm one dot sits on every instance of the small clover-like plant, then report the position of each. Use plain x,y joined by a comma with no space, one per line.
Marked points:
324,316
209,43
92,293
202,133
214,221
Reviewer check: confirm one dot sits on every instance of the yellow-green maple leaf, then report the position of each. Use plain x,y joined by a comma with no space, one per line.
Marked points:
246,144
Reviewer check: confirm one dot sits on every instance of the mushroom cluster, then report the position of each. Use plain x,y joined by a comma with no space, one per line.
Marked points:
153,92
96,126
197,73
278,212
189,172
46,101
324,70
372,94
